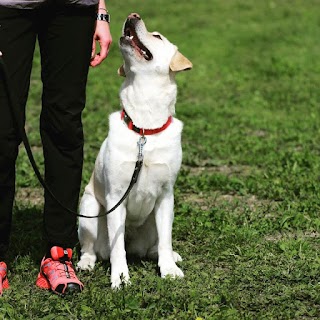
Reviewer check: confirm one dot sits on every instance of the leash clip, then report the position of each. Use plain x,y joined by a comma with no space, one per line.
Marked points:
142,141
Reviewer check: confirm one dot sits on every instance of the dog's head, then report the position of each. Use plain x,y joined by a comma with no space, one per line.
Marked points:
148,52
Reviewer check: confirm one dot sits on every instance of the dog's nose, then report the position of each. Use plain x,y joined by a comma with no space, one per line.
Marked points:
134,16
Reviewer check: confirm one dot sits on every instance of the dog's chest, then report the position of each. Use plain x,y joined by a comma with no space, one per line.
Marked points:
162,157
152,182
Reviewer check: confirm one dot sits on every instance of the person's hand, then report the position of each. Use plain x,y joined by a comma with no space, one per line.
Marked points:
103,36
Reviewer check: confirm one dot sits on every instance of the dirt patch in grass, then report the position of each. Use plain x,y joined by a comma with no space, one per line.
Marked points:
251,201
293,235
30,195
200,200
234,202
224,169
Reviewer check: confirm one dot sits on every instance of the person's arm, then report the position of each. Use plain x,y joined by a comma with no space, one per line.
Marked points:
103,36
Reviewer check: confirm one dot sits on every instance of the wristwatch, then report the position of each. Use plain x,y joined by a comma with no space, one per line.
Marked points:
103,17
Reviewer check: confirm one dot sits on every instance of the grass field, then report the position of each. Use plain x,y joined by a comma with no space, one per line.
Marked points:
247,199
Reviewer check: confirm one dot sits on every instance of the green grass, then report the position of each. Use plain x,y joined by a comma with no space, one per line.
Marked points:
248,196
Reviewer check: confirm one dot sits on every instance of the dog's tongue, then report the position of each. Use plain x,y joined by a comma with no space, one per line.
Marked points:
131,35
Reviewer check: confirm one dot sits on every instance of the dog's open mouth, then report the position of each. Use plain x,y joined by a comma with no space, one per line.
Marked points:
131,37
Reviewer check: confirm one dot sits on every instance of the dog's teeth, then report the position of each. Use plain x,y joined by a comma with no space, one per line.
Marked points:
144,53
131,37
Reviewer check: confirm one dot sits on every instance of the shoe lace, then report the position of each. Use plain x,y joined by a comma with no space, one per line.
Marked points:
63,269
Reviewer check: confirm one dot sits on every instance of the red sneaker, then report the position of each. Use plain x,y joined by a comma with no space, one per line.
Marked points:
57,273
4,282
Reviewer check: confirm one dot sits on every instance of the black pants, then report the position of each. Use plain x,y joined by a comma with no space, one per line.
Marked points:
65,35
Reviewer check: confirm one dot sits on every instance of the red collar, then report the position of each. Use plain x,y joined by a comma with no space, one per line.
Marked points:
131,126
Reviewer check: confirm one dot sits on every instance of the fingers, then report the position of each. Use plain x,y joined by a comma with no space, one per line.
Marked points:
93,50
104,50
103,36
99,57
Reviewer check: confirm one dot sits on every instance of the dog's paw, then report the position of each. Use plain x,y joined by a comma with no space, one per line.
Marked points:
86,262
176,256
171,271
119,281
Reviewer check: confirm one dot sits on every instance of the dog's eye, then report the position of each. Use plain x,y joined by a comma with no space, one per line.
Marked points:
157,36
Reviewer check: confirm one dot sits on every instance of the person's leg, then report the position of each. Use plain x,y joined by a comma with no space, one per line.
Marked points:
65,38
17,42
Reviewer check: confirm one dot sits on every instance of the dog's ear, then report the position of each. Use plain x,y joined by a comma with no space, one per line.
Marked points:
121,72
180,63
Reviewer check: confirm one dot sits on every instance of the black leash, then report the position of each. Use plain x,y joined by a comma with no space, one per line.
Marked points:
22,132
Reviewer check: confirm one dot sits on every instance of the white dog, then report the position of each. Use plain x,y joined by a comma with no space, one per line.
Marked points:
142,224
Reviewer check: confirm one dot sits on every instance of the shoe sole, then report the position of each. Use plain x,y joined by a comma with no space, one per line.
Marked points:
43,283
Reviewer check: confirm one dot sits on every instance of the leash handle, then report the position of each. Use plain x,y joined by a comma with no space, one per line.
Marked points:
23,135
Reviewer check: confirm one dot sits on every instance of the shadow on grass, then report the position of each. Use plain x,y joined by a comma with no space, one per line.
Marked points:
27,234
27,238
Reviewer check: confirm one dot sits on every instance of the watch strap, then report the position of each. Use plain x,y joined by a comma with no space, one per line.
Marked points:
103,17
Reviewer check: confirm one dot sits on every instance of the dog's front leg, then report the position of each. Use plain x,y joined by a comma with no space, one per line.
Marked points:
164,219
116,229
